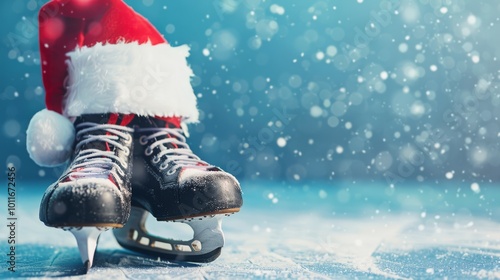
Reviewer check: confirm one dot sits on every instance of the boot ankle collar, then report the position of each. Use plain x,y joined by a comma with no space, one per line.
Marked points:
108,118
169,122
159,122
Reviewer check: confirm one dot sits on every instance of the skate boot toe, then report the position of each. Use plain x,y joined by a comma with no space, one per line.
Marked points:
209,192
95,202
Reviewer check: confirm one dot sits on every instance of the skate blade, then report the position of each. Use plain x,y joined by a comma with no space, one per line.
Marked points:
86,238
205,246
201,216
68,226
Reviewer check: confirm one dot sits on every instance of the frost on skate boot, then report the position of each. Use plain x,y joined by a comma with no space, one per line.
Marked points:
94,193
173,184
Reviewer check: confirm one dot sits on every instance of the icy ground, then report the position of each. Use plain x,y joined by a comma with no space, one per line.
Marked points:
308,232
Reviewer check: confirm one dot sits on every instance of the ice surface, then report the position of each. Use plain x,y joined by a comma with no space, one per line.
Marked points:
312,232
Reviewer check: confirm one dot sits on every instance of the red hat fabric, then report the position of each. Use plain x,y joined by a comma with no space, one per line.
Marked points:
66,25
100,56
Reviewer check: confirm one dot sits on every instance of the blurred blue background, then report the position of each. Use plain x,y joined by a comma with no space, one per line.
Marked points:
299,91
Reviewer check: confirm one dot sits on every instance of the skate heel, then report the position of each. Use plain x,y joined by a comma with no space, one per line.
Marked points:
205,246
86,238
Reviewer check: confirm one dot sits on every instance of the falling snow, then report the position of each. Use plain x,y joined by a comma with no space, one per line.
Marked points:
399,101
407,93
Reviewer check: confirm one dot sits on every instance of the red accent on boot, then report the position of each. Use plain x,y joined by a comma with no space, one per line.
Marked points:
171,122
112,179
127,119
113,118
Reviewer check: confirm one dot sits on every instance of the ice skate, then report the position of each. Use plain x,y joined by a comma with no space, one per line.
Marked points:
109,58
173,184
94,193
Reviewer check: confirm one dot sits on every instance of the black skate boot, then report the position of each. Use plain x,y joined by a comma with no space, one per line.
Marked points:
94,193
173,184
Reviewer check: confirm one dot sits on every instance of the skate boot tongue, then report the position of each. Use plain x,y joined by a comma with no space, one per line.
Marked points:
164,139
172,123
171,127
102,146
101,119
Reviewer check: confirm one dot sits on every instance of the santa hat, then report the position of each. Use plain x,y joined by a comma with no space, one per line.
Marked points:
100,56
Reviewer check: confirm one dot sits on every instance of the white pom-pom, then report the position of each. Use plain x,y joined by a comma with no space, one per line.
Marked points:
50,138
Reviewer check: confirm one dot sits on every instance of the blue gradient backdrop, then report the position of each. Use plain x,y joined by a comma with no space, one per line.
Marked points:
295,91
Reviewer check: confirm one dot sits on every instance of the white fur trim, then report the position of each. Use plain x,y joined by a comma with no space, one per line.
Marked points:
146,79
50,138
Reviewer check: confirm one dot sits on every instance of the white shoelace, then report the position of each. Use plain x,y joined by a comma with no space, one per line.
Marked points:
181,156
95,163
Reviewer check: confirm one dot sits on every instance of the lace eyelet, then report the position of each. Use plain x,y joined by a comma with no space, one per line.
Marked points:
163,166
143,140
128,139
148,151
120,171
156,159
171,171
126,151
